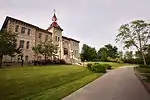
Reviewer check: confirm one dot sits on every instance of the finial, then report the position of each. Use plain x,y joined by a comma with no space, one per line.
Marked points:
54,11
54,18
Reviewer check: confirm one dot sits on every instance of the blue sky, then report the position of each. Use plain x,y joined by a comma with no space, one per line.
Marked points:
93,22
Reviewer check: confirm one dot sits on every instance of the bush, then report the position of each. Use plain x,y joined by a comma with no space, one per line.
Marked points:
107,66
89,66
48,62
98,68
144,66
62,61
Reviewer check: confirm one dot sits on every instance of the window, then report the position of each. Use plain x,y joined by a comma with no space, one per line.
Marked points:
26,58
46,37
65,51
22,30
58,39
55,38
21,43
16,28
29,31
27,46
40,35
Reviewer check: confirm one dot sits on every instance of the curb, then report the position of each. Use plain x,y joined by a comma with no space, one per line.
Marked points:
144,83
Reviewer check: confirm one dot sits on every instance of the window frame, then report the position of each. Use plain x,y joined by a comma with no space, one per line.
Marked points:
23,30
27,44
21,45
17,28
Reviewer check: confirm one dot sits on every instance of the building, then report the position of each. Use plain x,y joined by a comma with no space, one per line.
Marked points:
30,35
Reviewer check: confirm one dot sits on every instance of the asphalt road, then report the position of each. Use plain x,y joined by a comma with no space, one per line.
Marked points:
118,84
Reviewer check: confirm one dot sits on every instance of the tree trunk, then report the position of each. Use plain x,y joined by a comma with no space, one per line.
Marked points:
144,60
141,49
1,58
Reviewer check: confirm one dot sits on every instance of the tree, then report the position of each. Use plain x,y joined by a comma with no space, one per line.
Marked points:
8,44
103,54
135,33
120,55
36,50
88,53
46,48
128,55
111,51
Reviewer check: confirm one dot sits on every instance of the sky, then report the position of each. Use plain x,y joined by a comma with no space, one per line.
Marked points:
92,22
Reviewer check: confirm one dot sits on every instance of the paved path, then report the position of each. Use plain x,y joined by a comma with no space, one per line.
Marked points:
118,84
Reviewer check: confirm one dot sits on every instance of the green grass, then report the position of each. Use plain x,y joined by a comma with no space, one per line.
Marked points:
113,64
43,82
143,70
146,73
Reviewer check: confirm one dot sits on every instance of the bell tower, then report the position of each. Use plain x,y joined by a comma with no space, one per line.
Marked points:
56,31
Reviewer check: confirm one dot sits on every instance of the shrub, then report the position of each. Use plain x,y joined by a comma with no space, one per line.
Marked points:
48,62
98,68
62,61
107,66
89,66
144,66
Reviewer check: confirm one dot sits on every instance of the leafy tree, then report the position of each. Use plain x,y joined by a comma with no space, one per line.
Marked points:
88,53
103,54
108,51
36,50
111,51
120,55
128,55
135,33
8,44
46,48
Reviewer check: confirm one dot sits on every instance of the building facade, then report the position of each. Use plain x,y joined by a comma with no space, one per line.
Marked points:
30,35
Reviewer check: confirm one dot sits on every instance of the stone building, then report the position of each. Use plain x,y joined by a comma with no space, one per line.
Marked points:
30,35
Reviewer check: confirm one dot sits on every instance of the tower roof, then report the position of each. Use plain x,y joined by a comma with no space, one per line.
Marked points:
54,23
54,18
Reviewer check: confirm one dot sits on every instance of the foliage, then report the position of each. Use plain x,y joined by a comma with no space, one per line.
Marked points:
111,51
98,68
144,66
134,61
103,54
128,55
8,44
117,60
107,51
120,55
107,66
135,33
88,53
46,48
48,62
44,82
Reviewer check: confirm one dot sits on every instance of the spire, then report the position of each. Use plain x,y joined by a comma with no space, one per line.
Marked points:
54,22
54,18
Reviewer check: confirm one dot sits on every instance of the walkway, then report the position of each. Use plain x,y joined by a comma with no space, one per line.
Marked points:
118,84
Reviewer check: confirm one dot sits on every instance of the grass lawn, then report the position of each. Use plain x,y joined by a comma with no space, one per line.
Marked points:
146,73
43,82
113,64
143,70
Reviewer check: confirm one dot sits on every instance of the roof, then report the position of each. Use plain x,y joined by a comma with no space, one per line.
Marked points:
70,39
10,18
54,24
